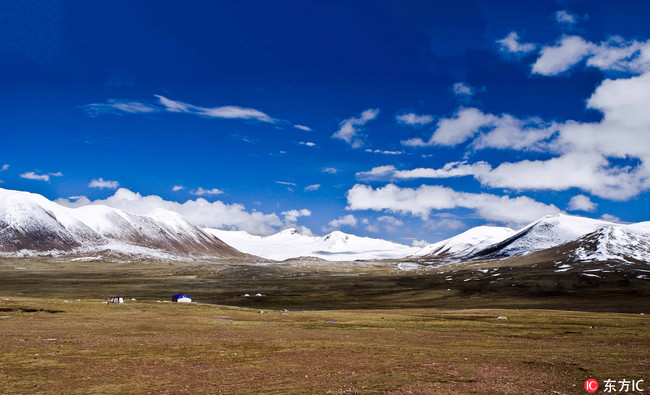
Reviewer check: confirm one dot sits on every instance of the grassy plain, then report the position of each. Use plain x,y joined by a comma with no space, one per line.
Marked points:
353,329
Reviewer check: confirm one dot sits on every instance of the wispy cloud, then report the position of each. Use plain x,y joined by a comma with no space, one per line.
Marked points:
200,191
313,187
303,127
378,151
307,143
31,175
349,129
176,188
5,167
226,112
413,119
117,106
103,184
286,183
330,170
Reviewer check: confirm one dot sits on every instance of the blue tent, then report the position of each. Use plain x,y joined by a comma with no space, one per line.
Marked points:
181,298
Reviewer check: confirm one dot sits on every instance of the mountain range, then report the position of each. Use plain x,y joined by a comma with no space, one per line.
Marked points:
30,224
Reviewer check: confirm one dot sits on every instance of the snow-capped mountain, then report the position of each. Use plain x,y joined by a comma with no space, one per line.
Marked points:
336,246
30,222
549,231
466,243
629,243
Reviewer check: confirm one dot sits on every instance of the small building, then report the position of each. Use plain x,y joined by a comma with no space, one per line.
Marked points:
180,298
117,299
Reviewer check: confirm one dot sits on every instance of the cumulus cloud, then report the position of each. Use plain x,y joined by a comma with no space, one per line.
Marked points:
313,187
346,220
462,89
176,188
199,212
449,170
390,220
413,119
200,191
427,198
307,143
102,184
511,44
609,158
291,216
581,203
349,129
444,224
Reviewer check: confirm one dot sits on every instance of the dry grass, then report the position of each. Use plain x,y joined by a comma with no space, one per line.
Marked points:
150,347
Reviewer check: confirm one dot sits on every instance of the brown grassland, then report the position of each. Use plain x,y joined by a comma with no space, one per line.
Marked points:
356,329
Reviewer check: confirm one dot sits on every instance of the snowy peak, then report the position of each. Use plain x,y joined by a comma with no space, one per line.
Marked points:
547,232
30,222
625,243
335,246
466,243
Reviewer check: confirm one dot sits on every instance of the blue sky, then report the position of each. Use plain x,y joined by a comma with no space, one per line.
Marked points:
401,120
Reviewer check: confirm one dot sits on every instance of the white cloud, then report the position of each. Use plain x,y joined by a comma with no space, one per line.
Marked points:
609,158
511,44
346,220
200,191
451,131
226,112
286,183
349,129
291,216
452,169
462,89
30,175
176,188
57,174
330,170
425,199
313,187
303,127
199,212
5,167
101,183
614,54
565,17
414,119
581,203
117,106
569,51
307,143
378,151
